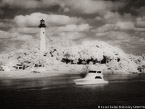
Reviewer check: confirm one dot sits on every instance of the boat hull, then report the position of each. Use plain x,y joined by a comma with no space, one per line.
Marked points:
87,82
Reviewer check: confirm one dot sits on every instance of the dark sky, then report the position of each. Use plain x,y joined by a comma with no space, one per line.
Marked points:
118,22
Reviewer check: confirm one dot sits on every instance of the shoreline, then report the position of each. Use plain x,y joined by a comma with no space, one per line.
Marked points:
62,70
52,71
28,74
45,74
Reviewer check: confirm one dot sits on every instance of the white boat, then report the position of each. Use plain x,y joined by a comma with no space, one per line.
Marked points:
93,77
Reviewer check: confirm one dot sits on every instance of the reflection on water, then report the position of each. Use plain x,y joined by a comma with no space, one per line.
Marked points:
60,92
50,82
93,87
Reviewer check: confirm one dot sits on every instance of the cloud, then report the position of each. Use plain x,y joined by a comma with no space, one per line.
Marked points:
33,20
23,37
80,6
89,6
124,40
70,28
120,25
70,32
123,36
110,17
141,11
28,4
21,3
1,12
140,22
99,34
5,35
113,17
25,30
6,25
106,28
93,6
118,30
142,40
14,35
71,35
115,35
130,41
115,21
11,40
139,29
125,25
112,21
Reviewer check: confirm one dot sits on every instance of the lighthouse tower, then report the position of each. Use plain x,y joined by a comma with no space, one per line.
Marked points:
42,27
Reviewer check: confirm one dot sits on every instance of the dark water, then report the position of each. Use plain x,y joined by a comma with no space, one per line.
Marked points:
60,92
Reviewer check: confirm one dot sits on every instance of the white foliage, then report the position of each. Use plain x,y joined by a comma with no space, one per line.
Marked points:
60,47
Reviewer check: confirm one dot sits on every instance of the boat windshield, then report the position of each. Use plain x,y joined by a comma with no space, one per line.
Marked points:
92,71
98,77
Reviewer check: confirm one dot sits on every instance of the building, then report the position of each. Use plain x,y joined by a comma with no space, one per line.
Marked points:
42,27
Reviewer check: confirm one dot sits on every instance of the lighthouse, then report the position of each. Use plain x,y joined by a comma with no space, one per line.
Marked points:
42,27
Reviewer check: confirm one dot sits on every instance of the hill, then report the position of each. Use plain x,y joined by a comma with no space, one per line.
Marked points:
63,51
